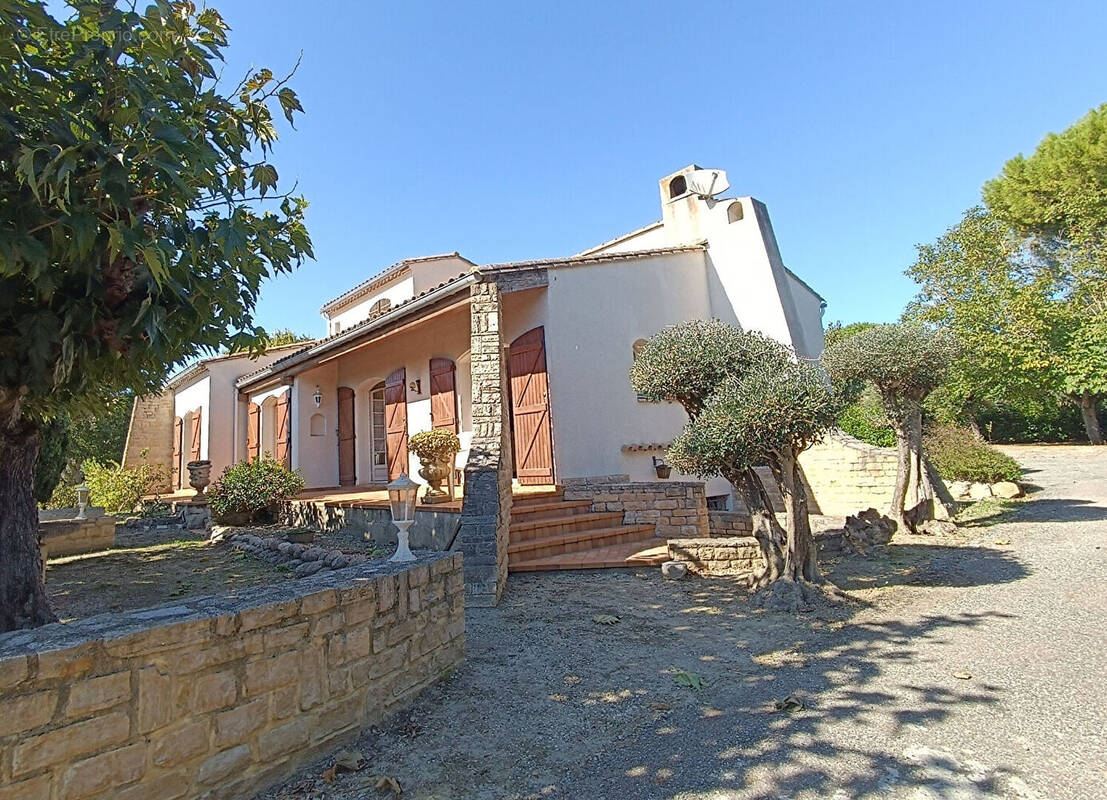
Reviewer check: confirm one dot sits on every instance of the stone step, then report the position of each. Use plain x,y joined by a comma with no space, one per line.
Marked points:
550,510
578,541
627,555
535,529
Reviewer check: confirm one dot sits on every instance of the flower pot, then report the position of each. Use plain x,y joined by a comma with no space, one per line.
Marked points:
434,472
199,476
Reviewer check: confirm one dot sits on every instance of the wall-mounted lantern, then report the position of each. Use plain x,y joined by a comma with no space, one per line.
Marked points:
317,397
416,386
402,494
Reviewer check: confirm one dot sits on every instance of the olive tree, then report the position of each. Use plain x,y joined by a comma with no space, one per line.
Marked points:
686,364
905,363
750,403
136,226
769,416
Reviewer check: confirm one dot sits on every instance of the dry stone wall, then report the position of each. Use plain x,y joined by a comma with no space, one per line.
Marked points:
218,697
724,555
675,508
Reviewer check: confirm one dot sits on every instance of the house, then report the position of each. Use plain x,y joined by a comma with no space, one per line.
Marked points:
526,361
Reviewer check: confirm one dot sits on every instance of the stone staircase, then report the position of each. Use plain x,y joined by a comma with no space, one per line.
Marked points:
549,532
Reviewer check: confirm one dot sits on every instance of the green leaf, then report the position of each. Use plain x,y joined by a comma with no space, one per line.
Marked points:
689,679
289,103
152,256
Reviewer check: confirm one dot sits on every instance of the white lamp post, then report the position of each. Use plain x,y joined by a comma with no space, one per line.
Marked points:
401,498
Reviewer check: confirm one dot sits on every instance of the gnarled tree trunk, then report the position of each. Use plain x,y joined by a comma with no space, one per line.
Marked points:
1087,402
770,536
23,601
800,558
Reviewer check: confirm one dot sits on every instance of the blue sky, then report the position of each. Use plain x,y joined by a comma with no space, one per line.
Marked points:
511,131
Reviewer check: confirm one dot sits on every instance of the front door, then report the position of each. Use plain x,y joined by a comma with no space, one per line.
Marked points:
530,409
347,472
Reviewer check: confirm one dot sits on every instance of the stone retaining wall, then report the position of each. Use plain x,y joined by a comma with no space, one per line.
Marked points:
150,433
68,537
844,475
675,508
432,530
218,697
727,555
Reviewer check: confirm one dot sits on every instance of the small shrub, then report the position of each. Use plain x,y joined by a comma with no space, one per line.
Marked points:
250,489
864,419
959,457
63,496
434,445
120,490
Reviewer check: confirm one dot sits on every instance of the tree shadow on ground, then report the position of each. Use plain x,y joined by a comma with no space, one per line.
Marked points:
553,704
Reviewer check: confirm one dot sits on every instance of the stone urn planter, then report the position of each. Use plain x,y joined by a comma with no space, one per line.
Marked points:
436,450
199,476
434,472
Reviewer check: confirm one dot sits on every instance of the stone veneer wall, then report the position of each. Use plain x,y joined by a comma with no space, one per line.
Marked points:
67,537
845,475
676,508
218,697
486,509
151,429
729,523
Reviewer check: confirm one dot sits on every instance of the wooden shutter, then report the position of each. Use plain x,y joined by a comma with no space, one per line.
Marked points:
194,451
395,421
347,465
253,432
443,390
178,433
284,429
530,406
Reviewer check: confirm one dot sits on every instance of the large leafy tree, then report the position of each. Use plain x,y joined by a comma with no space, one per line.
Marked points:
1057,197
135,227
1025,330
905,363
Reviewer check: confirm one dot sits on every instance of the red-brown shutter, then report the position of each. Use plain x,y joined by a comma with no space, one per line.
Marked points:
178,433
395,422
530,405
253,432
443,389
347,470
194,451
284,429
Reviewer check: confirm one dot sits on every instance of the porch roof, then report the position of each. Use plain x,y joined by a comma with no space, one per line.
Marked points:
355,334
310,355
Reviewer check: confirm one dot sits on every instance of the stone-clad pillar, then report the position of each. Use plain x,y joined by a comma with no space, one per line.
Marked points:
486,509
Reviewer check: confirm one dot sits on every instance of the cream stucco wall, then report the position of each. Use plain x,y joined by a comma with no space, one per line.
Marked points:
403,288
595,314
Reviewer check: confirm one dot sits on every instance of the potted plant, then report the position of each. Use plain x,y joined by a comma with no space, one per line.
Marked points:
436,450
249,492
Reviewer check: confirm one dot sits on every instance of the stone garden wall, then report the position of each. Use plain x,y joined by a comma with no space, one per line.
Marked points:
67,537
675,508
218,697
729,523
432,530
728,555
845,475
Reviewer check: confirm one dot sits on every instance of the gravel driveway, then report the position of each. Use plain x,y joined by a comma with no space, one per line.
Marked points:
970,668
